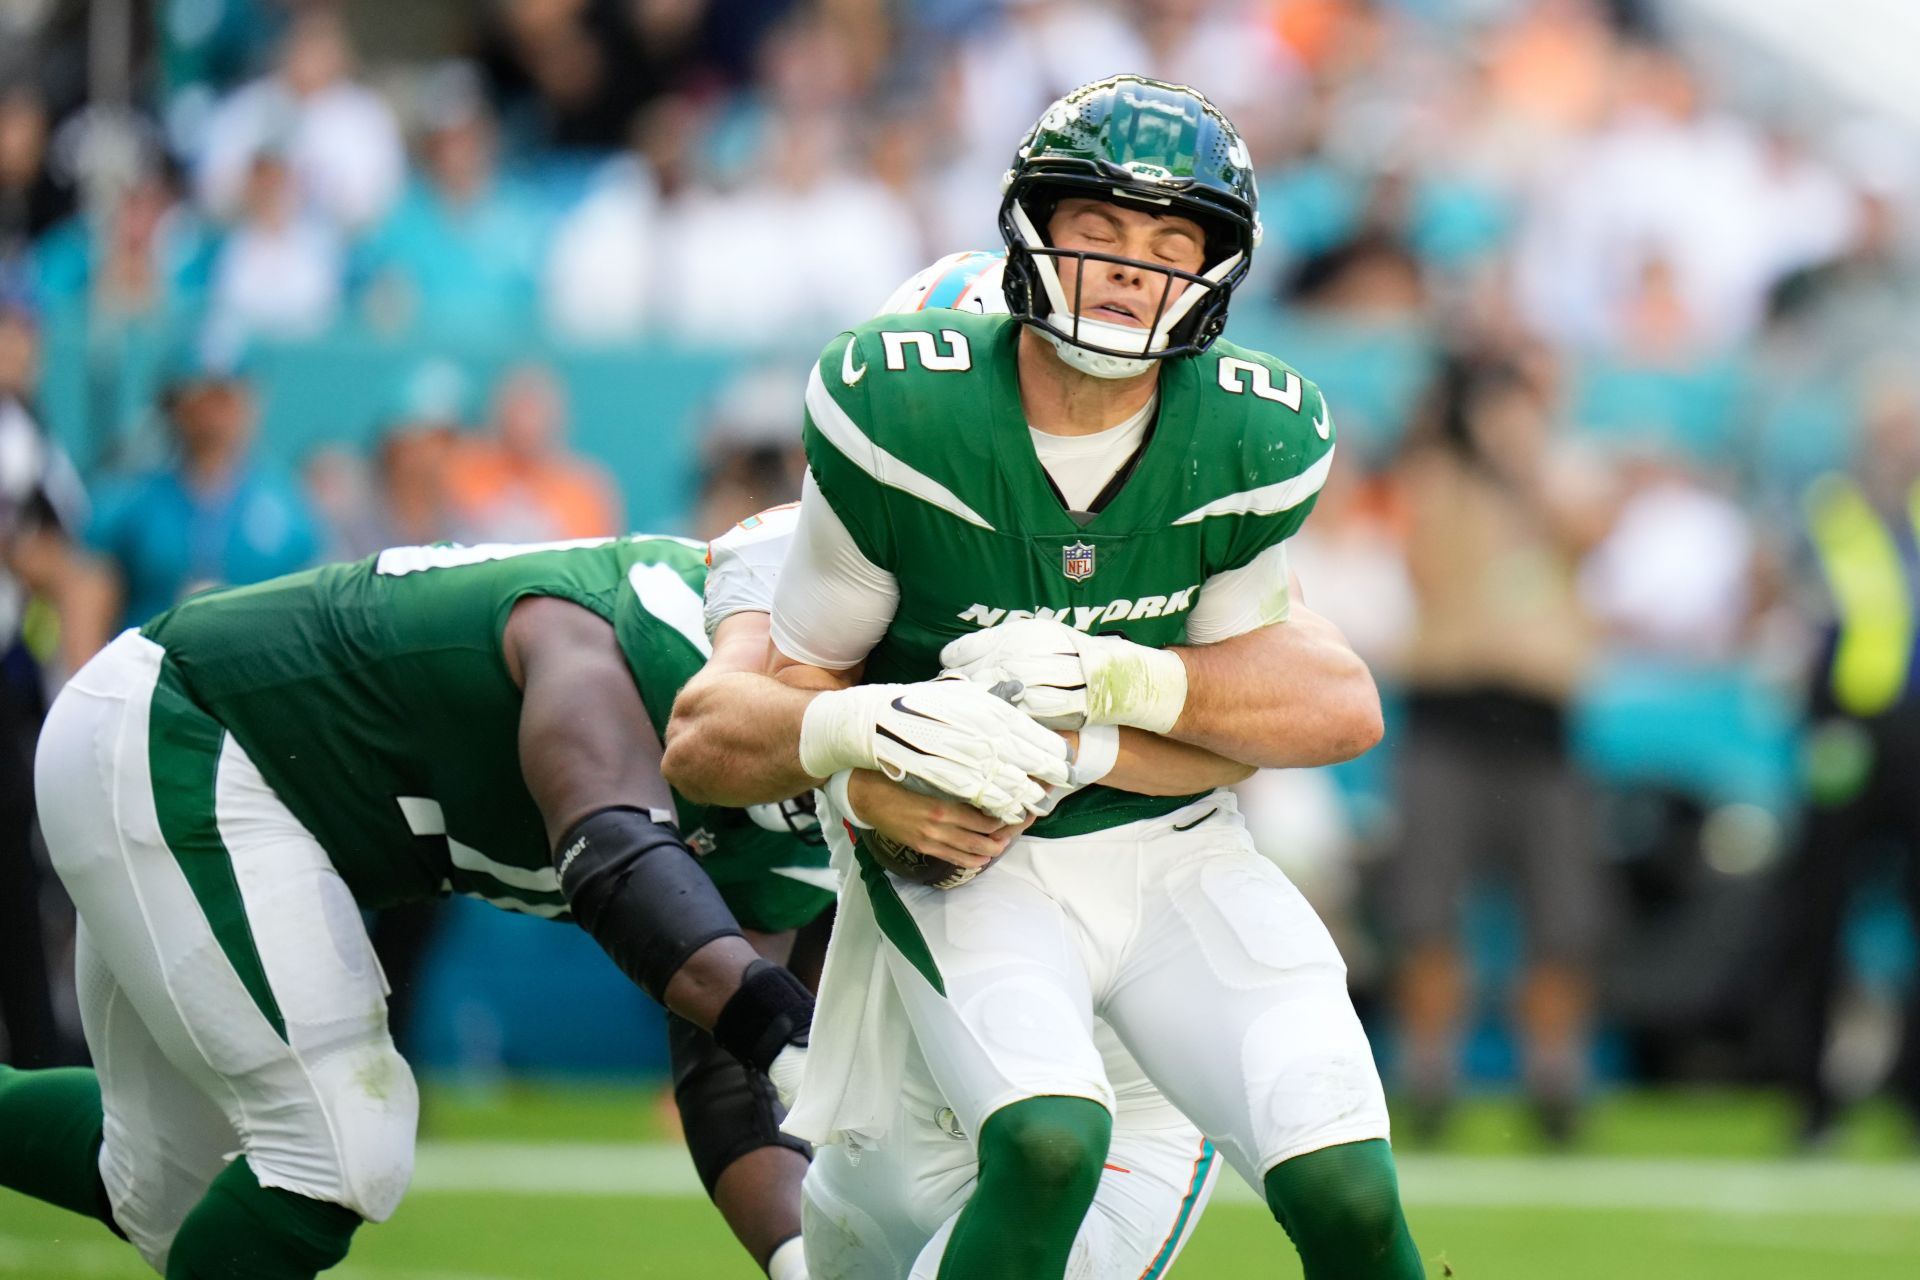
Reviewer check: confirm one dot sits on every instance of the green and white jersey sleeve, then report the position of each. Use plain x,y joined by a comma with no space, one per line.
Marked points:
831,604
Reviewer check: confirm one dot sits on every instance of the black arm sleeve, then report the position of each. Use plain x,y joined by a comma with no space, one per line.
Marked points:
634,886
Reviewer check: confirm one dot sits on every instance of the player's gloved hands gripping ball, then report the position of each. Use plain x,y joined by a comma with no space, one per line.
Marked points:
916,833
1072,679
951,735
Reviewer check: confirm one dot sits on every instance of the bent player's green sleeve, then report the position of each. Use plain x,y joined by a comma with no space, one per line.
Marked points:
841,452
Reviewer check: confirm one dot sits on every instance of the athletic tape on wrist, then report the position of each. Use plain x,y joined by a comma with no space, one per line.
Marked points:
823,730
842,802
1099,752
1160,695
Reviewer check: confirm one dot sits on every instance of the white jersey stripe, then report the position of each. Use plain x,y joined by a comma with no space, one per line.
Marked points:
1268,499
425,817
838,427
666,595
468,858
545,910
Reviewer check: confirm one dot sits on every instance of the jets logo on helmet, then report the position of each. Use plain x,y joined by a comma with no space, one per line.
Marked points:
1130,139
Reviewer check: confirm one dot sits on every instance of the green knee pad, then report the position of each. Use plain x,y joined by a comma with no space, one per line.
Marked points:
50,1123
243,1231
1040,1162
1341,1207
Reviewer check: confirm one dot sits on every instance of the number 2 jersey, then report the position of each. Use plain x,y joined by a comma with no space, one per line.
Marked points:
375,699
916,438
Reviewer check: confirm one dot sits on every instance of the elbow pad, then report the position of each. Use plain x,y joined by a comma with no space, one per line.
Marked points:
632,883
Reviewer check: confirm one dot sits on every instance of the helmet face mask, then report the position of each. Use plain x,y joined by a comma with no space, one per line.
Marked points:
1139,144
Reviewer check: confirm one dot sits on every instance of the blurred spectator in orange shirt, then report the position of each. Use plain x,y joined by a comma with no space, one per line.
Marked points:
1330,37
521,483
1552,62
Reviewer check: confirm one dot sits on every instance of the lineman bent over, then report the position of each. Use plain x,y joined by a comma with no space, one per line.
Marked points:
224,789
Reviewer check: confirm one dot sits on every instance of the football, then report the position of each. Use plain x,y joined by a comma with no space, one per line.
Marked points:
908,862
923,868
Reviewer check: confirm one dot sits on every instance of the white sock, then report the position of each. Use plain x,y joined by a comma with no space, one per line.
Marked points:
789,1262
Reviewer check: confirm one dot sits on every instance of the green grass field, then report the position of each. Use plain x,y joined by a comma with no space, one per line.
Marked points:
550,1184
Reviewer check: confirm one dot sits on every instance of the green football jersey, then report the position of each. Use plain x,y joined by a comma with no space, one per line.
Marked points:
916,437
374,697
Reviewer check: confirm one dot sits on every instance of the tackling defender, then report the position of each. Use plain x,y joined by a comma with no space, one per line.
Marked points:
1101,462
225,788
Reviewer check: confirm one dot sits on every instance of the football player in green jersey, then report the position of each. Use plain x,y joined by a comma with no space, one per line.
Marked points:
871,1210
224,789
1089,500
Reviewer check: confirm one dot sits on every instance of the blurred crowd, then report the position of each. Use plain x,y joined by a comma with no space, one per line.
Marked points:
1621,359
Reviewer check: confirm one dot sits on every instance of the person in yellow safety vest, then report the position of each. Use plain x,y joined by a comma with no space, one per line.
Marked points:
1863,746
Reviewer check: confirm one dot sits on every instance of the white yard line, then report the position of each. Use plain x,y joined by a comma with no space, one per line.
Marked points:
1742,1187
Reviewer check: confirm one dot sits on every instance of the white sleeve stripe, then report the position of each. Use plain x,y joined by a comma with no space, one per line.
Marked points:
666,595
1268,499
840,429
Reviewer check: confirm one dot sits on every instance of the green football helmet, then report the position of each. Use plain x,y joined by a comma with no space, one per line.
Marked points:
1146,143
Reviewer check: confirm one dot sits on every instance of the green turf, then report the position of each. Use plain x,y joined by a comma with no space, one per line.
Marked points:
454,1235
491,1237
1236,1242
1698,1122
530,1111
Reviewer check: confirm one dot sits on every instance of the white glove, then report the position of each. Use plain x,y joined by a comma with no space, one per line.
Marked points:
1070,679
954,736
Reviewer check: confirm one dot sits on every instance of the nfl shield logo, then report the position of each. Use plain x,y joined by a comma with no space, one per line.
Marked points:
1077,561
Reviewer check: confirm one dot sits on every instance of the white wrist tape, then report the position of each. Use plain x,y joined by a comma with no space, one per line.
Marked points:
842,803
836,732
1133,684
1099,751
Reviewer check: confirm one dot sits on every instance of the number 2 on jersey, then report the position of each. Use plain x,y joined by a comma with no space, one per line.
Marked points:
956,358
1260,379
